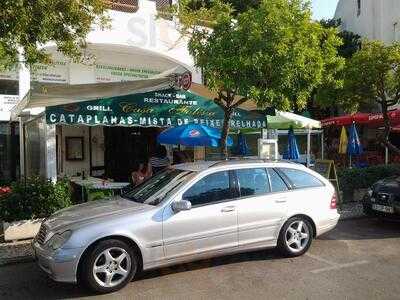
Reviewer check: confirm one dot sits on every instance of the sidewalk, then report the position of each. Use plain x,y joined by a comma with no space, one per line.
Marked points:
14,252
351,210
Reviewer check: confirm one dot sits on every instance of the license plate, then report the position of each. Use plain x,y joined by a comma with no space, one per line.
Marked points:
383,208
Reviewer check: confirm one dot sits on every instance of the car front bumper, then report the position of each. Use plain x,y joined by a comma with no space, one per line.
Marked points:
61,265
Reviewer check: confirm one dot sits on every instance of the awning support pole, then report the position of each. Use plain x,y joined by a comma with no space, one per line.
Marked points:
322,145
24,85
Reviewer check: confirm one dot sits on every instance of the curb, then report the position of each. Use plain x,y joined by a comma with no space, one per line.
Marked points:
16,260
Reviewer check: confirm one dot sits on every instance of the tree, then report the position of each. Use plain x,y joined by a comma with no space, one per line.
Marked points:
238,6
271,54
351,41
27,25
372,76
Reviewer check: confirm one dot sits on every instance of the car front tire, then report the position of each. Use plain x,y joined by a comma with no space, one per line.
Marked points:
110,266
295,237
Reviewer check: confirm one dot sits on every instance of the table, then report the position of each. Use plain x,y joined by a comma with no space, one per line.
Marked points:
93,183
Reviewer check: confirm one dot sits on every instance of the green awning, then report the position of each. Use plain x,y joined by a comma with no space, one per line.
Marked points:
162,108
285,120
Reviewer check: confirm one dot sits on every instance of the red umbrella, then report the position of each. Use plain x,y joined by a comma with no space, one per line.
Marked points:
345,120
362,118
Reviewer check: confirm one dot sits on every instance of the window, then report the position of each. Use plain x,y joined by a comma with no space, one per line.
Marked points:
277,183
253,182
129,6
162,4
157,187
301,179
358,7
212,188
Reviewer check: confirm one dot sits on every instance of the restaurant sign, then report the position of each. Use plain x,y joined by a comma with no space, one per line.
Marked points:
159,109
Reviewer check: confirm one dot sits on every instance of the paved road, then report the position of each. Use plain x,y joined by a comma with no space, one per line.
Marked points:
360,259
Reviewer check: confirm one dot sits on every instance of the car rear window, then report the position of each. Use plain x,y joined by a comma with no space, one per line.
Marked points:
301,179
277,183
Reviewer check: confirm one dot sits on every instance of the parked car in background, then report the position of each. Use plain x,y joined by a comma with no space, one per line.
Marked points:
383,198
187,212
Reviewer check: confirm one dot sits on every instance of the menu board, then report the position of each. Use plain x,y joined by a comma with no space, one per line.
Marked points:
327,169
323,167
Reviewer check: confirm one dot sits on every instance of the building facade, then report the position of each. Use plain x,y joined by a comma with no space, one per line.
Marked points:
138,45
371,19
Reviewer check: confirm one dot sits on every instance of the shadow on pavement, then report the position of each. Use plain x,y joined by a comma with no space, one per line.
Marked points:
364,229
34,284
26,281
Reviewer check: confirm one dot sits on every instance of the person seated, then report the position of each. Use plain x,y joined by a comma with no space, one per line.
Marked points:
141,172
159,161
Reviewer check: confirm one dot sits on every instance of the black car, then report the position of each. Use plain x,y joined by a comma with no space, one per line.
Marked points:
383,198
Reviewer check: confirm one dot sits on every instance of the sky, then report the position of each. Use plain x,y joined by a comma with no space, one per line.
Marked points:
324,9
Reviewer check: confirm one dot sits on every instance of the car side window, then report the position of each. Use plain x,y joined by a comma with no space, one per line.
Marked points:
277,183
301,179
212,188
253,182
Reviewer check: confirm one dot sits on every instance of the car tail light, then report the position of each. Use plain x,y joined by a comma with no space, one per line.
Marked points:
334,201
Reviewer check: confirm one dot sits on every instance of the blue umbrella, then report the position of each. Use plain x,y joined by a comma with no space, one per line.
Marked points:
354,147
242,147
292,151
192,135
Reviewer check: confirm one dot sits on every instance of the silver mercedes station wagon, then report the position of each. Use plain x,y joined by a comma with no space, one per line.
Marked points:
185,213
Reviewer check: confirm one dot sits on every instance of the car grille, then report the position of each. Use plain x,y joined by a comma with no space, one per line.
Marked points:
41,236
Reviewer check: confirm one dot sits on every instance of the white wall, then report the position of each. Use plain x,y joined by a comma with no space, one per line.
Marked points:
71,168
379,19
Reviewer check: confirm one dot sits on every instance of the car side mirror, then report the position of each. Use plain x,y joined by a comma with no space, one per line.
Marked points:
181,205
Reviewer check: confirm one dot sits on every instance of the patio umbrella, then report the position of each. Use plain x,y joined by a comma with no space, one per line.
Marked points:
292,152
242,147
192,135
354,147
343,141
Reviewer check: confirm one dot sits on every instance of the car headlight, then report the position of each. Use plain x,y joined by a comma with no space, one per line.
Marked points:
59,239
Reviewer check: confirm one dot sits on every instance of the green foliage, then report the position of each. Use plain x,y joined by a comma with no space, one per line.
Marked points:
371,77
238,6
94,195
351,41
30,24
34,198
274,53
353,179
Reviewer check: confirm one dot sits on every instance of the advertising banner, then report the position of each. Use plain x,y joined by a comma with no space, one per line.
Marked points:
159,109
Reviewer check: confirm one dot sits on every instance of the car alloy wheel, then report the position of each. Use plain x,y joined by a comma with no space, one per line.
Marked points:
111,267
297,236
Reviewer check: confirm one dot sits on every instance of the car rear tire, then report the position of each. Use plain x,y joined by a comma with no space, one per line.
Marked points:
295,237
110,266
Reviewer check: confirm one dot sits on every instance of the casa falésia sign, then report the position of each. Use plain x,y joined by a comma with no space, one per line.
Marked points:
164,108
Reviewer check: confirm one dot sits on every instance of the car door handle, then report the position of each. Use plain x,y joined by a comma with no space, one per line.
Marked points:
280,200
228,209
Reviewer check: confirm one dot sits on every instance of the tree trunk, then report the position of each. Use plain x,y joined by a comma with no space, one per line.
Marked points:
225,130
386,121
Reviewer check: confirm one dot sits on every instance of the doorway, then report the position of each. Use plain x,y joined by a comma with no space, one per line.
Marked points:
126,146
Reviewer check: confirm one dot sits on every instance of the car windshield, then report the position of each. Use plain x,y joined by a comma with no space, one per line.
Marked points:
154,190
